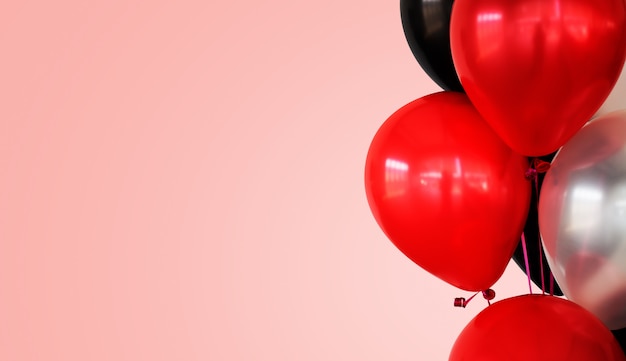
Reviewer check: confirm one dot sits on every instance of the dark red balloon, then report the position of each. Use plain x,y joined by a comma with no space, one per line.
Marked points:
447,191
537,70
538,328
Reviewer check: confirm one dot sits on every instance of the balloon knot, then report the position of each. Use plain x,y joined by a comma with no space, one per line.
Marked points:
489,294
537,166
541,165
531,174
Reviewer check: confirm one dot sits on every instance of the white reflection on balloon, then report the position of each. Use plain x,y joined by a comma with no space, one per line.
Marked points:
396,177
586,206
489,26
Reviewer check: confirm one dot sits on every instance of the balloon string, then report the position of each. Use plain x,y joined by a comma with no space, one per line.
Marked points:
537,166
542,167
469,299
530,289
536,192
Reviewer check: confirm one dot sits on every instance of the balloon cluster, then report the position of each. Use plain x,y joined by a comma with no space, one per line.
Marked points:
507,152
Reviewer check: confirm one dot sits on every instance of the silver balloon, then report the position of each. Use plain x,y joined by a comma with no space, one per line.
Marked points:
582,218
616,98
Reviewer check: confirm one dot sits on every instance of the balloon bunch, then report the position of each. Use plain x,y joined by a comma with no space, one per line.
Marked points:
456,178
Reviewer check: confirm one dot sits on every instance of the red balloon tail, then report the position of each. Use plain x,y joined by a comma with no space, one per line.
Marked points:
488,294
462,302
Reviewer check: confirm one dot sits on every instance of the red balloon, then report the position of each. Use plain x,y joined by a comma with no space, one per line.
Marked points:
538,328
447,191
537,70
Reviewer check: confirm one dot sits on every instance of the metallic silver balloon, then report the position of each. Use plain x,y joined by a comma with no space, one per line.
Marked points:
615,100
582,218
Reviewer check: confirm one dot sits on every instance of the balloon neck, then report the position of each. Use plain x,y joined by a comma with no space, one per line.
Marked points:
489,294
541,165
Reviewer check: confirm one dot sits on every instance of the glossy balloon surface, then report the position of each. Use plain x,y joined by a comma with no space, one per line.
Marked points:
537,70
447,191
426,25
537,328
582,217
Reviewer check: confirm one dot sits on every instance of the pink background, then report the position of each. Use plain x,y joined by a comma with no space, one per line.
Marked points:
184,181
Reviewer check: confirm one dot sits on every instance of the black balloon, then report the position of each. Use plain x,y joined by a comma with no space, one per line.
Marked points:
536,256
620,336
426,25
